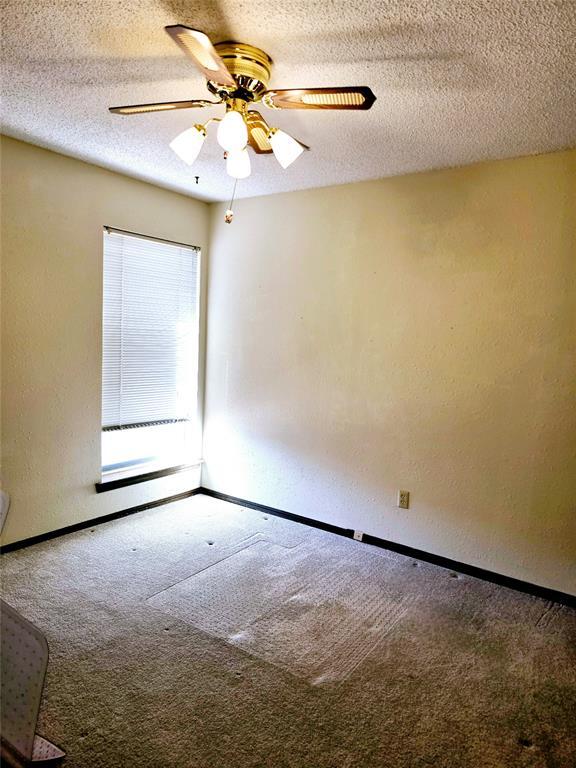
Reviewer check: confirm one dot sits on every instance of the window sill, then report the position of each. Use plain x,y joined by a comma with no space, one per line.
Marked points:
121,482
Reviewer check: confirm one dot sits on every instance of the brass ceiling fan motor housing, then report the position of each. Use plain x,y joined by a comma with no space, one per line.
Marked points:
249,66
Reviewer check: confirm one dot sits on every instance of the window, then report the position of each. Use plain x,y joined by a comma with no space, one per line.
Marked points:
150,354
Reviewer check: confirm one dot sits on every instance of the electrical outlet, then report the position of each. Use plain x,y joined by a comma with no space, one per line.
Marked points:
358,535
403,499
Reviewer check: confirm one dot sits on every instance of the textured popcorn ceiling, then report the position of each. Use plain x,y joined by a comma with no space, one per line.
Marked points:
457,81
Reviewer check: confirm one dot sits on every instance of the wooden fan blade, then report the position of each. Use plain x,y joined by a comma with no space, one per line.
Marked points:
258,130
197,46
347,97
137,109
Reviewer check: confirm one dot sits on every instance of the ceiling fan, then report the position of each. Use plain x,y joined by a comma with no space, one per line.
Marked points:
238,74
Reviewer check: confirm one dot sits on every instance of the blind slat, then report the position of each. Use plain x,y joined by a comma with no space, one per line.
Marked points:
150,330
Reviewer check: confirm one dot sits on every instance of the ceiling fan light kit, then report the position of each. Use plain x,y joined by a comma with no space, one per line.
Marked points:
238,164
285,148
232,132
238,75
188,144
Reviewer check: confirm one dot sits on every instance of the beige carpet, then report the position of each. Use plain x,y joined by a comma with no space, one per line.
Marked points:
204,635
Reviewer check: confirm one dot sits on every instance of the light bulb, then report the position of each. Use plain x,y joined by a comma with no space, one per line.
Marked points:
188,144
232,132
238,164
285,148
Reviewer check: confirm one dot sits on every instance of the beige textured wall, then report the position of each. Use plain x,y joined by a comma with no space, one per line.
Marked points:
53,211
417,333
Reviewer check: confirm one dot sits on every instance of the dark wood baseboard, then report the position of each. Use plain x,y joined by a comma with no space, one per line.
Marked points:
418,554
95,521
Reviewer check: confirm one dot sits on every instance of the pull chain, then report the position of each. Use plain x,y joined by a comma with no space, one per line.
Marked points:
229,215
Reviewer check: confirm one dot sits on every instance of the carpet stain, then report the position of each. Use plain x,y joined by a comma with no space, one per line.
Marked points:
287,608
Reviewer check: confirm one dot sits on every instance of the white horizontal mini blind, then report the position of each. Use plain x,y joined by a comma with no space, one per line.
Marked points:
150,331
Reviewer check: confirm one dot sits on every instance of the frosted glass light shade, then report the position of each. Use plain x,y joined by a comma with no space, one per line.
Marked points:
232,133
188,144
238,164
285,148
